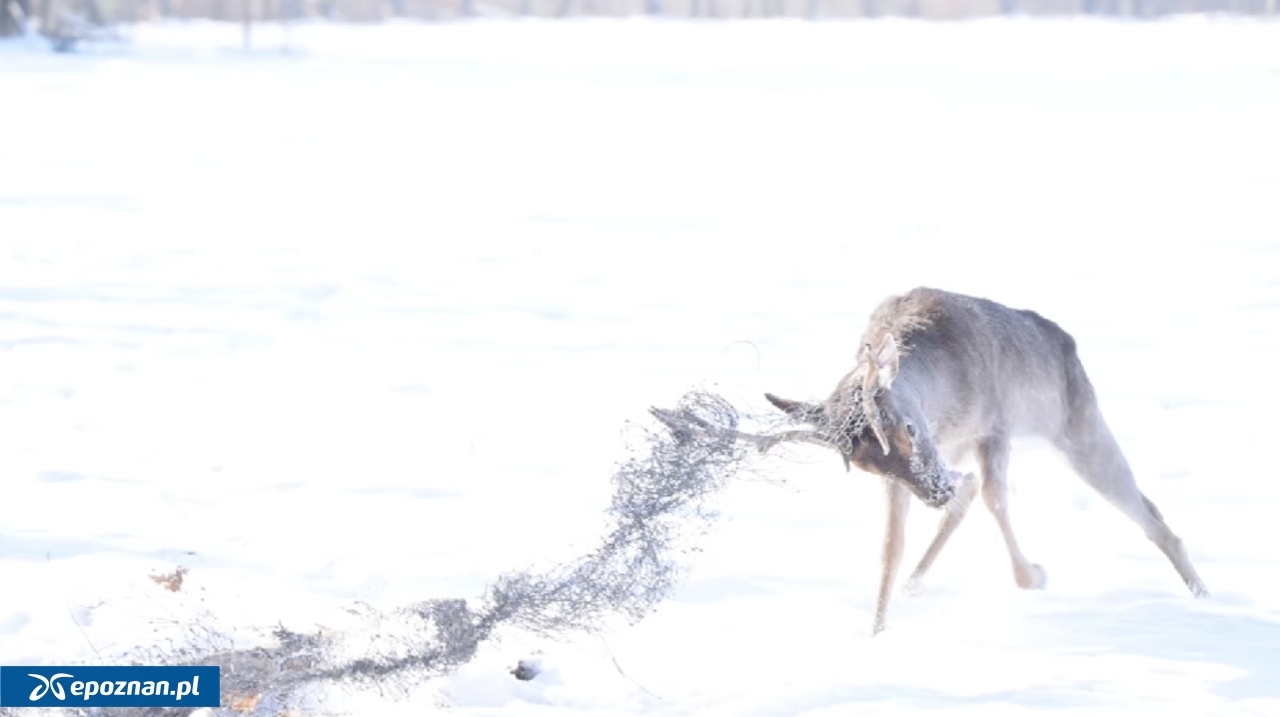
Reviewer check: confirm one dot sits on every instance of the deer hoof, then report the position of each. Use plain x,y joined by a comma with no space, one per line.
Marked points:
1033,578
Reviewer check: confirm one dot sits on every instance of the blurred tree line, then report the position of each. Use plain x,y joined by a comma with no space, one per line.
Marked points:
101,12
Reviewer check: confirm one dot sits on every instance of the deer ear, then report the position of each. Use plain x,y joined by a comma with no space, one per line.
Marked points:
886,360
797,410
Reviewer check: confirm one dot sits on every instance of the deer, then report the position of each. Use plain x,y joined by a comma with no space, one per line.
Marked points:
941,378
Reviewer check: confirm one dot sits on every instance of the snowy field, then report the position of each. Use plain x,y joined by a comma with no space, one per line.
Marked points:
362,315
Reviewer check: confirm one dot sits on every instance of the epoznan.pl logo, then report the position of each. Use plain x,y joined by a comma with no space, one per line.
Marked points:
48,684
110,686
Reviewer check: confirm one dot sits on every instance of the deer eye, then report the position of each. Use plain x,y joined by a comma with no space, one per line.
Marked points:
911,430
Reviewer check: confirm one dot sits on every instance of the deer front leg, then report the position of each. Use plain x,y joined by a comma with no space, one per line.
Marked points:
952,514
894,540
993,455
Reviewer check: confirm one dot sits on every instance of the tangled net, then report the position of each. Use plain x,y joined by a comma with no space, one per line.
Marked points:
660,494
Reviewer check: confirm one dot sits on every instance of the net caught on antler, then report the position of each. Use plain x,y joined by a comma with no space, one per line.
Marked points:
661,502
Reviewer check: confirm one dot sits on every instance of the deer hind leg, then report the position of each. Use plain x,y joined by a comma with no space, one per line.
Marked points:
993,457
894,541
1096,456
952,514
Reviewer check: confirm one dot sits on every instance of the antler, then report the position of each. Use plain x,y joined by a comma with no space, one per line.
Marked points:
765,442
870,386
682,422
814,437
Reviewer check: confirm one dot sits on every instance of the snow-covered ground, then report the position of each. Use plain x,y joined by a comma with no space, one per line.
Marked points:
362,313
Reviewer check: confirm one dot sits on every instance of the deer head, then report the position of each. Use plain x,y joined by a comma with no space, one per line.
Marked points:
880,430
